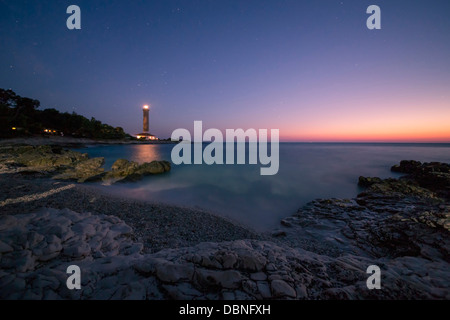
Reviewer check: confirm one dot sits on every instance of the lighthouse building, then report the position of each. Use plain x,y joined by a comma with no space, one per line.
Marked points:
145,134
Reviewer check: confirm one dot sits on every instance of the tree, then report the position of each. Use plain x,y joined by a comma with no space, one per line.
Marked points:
7,97
17,111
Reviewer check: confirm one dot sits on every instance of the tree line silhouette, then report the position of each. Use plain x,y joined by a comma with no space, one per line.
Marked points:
19,116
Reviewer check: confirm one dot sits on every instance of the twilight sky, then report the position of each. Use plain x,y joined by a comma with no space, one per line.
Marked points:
309,68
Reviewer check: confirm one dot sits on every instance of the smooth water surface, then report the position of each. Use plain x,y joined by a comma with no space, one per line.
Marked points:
307,171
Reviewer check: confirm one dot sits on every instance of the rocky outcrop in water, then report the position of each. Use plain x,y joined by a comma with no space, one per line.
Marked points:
431,175
123,170
62,164
39,158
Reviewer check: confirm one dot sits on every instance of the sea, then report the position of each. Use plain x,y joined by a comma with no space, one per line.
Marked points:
307,171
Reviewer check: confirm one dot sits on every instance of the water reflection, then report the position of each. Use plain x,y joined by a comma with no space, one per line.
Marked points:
145,153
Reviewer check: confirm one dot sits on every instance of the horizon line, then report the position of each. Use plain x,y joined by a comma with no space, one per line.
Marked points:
349,142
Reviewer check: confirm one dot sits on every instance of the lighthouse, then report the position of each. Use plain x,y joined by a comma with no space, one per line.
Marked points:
146,135
145,109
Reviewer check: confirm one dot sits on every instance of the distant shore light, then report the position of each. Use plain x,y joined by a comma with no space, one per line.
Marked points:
146,107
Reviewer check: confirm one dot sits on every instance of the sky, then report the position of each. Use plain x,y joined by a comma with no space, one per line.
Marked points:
311,69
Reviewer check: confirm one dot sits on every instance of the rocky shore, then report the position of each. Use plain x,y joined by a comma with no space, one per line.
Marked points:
135,250
63,164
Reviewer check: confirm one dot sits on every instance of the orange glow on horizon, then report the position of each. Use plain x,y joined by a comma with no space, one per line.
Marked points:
371,138
412,119
368,135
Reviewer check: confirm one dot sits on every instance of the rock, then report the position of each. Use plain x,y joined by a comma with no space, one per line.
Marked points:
87,170
153,292
154,167
34,238
367,182
90,164
286,223
166,165
136,290
24,261
278,233
431,175
259,276
228,295
5,279
104,294
170,272
264,289
52,249
110,245
124,166
301,291
124,170
77,251
275,277
271,267
182,291
406,166
281,289
44,282
64,233
44,158
72,165
4,248
132,249
398,188
17,285
7,222
228,260
229,279
251,261
241,295
210,262
51,295
250,287
147,266
83,229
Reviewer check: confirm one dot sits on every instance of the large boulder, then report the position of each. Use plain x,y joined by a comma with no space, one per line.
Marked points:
124,171
123,166
154,167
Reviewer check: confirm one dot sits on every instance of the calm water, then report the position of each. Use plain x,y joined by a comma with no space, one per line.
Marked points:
307,171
